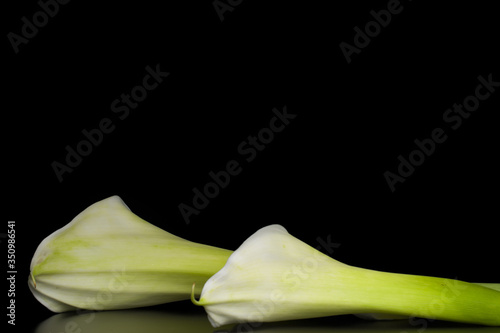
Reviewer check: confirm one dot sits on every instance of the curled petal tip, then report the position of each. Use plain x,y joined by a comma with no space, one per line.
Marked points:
33,279
193,299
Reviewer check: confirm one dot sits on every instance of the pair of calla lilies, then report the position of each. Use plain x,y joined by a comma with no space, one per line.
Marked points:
109,258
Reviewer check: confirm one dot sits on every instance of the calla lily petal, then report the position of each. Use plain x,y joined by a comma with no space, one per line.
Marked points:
109,258
273,276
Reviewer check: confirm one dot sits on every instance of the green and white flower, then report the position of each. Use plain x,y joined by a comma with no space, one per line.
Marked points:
109,258
273,276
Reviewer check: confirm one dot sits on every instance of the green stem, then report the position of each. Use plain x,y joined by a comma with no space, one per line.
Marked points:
418,296
390,316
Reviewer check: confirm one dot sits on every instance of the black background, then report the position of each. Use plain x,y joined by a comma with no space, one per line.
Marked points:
321,176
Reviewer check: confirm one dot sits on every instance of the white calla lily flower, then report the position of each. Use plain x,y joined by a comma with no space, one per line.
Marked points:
273,276
109,258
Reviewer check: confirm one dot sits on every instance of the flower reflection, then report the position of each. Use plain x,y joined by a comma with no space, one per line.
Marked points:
153,320
143,320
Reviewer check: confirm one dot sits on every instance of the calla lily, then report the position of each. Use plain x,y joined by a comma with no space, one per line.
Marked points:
273,276
109,258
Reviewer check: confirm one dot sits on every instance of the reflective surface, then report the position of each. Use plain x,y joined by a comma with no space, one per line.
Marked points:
147,321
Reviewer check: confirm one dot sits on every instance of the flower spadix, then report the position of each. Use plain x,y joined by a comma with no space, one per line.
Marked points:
273,276
109,258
